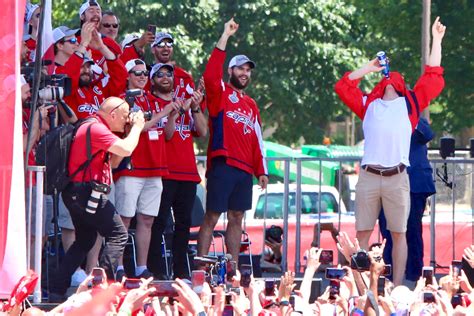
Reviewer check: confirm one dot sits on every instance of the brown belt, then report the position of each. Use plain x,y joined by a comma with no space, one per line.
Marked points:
385,172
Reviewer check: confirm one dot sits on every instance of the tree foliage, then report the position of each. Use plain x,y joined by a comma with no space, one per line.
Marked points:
303,47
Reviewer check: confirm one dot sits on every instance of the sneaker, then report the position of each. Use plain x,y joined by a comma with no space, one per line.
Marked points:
119,275
145,274
78,277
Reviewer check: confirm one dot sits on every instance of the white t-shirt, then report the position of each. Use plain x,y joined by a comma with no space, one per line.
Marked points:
387,132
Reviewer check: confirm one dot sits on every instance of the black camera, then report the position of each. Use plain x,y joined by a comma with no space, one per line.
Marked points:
52,87
97,190
130,99
274,233
360,260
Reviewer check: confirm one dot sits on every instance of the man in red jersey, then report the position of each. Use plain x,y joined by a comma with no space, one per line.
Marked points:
86,194
235,150
87,95
138,184
179,186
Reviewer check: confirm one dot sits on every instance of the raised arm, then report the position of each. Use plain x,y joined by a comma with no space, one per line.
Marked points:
229,29
437,32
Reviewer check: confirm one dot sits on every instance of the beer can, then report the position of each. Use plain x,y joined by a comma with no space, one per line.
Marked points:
383,61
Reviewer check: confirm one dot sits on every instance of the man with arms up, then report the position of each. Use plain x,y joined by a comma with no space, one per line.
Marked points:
235,150
86,194
390,114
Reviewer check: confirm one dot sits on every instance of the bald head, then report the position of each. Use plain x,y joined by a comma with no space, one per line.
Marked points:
110,103
115,112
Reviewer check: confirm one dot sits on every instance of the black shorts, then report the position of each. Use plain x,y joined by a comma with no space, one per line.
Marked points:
228,188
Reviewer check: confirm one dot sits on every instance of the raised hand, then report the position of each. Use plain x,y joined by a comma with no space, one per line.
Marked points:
438,29
230,27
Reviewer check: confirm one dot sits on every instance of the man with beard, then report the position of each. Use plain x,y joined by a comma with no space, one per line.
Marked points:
87,95
235,150
93,184
162,49
390,114
138,184
179,186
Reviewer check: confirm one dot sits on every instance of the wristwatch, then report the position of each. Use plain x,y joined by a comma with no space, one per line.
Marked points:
284,303
203,313
196,111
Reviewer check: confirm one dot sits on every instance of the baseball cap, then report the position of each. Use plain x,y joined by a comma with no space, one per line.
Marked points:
61,32
160,36
239,60
86,5
132,63
30,10
158,66
87,59
129,39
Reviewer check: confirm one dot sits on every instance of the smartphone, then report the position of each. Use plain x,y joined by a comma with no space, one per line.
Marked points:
428,297
198,278
456,300
231,267
245,274
151,28
335,273
427,273
326,257
387,270
457,266
381,286
334,286
164,289
131,284
98,274
270,287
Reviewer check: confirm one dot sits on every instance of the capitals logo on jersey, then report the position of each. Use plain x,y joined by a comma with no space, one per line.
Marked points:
244,118
184,130
88,108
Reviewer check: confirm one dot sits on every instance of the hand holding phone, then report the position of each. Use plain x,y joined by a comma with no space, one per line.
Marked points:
151,28
98,276
245,275
131,284
427,273
456,268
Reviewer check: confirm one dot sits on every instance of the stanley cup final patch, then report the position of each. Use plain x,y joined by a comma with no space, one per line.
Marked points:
233,97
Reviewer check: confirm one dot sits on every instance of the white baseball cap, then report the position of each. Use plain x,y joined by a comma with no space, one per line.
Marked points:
63,31
239,60
158,66
30,10
86,5
132,63
129,39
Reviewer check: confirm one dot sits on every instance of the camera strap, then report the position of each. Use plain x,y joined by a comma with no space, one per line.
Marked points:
90,157
373,302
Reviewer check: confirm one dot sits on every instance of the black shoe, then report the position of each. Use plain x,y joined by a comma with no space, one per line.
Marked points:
145,274
119,275
56,298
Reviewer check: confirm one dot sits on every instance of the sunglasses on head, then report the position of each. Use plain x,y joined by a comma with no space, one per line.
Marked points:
163,44
107,25
161,74
140,72
72,40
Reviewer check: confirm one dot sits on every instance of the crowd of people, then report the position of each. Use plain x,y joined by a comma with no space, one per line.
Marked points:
132,157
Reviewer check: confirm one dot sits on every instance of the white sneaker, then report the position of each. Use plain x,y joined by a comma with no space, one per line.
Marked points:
78,277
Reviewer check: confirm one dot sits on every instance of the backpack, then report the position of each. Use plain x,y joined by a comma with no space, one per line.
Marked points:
53,153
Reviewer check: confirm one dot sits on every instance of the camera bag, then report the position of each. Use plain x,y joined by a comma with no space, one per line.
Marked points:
53,153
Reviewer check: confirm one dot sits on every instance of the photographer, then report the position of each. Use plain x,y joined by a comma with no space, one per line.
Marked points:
86,194
138,184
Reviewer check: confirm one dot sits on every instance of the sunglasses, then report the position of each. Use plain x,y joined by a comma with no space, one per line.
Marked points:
139,72
160,74
107,25
163,44
115,108
72,40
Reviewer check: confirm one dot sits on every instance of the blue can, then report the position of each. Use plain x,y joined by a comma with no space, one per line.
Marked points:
383,61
